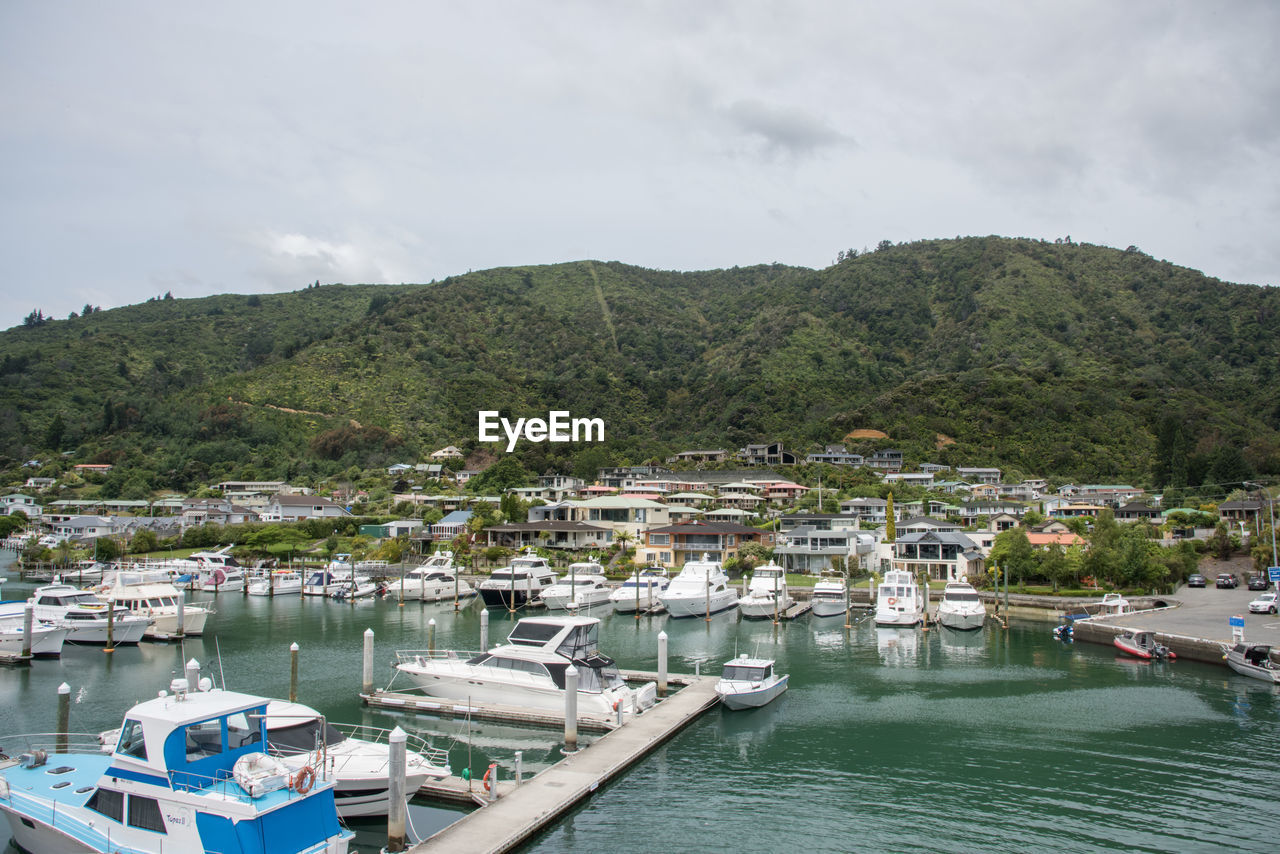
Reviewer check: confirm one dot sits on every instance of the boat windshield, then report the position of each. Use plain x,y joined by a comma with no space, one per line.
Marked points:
533,633
746,672
582,642
507,575
302,737
962,597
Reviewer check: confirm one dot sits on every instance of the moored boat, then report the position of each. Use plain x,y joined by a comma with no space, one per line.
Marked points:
434,581
960,607
767,594
1253,659
830,598
584,587
277,582
701,589
517,584
899,601
46,639
150,594
749,683
85,615
1142,645
640,592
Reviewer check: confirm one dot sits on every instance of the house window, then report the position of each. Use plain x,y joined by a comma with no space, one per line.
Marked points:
659,539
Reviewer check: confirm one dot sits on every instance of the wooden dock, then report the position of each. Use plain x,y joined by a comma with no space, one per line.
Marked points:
522,811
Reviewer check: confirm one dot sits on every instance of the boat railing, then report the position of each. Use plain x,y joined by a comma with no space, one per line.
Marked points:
437,756
45,811
12,746
405,656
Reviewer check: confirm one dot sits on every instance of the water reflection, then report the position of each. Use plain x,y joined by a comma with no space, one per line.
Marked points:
898,647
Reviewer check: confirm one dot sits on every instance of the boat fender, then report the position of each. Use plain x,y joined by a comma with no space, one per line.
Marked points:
891,601
303,780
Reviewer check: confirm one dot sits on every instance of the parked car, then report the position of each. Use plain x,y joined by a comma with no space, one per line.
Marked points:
1264,604
1226,579
1259,582
1195,579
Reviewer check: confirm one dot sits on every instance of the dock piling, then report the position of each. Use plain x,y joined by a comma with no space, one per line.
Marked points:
519,767
484,630
293,672
28,616
397,807
111,629
366,680
64,716
571,709
182,614
431,636
662,664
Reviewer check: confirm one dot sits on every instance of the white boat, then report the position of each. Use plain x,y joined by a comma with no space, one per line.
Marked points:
84,614
1253,659
960,607
640,592
899,601
529,670
277,582
1112,604
517,584
150,594
211,571
700,589
830,598
355,587
749,683
358,757
318,582
767,594
46,639
435,581
584,587
188,773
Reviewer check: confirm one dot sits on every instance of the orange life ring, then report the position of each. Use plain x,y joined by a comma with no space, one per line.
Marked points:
487,787
303,780
892,601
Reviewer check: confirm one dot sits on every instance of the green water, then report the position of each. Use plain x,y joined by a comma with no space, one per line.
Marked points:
886,740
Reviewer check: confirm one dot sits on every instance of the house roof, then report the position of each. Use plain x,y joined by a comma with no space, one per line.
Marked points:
551,525
1065,538
705,528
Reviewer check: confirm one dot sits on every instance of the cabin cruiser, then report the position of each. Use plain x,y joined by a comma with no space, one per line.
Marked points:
583,587
830,598
215,571
701,589
276,582
1253,659
84,614
436,580
749,683
357,757
1112,604
899,601
187,773
960,607
640,592
529,670
354,587
150,594
319,582
767,594
517,584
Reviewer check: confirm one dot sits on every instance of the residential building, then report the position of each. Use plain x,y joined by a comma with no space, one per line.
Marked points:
1246,510
978,475
970,510
1136,511
1065,539
16,502
910,478
771,454
818,521
870,511
558,487
625,477
447,453
40,483
885,460
924,524
934,468
572,536
836,455
943,555
292,508
715,456
631,516
806,548
218,511
675,545
450,526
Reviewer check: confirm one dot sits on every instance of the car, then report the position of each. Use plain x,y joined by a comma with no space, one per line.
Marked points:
1259,582
1226,579
1195,579
1264,604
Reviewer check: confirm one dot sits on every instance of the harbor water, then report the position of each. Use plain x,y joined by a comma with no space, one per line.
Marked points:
887,739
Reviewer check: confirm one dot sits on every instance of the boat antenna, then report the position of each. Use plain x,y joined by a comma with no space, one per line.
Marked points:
218,646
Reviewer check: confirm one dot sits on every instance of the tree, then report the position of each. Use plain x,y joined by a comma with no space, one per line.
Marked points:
1220,541
105,549
890,525
1013,551
53,434
144,541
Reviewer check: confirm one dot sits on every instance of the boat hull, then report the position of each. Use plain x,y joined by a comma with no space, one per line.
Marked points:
827,607
891,618
591,599
763,609
737,700
699,605
131,630
463,682
46,641
505,599
30,834
962,621
165,626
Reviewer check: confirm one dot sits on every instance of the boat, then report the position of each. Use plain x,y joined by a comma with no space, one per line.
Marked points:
583,587
210,571
830,598
1142,645
46,639
748,683
277,582
518,583
767,594
318,582
436,580
640,591
529,670
960,607
188,773
150,593
355,587
899,601
358,756
1253,659
85,615
700,589
1112,604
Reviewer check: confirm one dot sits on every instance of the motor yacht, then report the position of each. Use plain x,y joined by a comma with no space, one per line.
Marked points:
150,594
529,670
46,638
748,683
830,598
84,615
960,607
700,589
277,582
435,581
899,601
640,592
318,582
584,587
188,772
518,584
767,595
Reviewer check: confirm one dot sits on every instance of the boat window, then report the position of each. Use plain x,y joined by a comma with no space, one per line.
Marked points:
557,669
962,597
154,603
131,742
745,673
302,736
480,659
169,602
107,802
144,813
240,732
204,739
531,633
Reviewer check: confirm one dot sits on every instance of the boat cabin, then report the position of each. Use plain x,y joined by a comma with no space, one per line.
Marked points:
747,670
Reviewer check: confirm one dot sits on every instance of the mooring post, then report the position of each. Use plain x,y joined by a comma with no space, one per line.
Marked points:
662,664
484,629
570,709
397,807
293,672
64,716
366,680
431,636
492,776
192,671
182,614
111,629
519,767
28,619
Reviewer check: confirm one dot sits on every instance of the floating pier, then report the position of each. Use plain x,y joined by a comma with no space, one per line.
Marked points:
522,811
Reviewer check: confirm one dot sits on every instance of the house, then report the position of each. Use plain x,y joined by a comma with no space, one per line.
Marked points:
689,499
402,527
985,492
1068,511
818,521
291,508
922,524
252,487
934,468
16,502
771,454
40,483
978,475
806,548
885,460
631,516
1017,491
781,491
1002,522
447,453
1234,512
219,511
625,477
572,536
870,511
716,456
558,487
910,478
87,527
461,477
1065,539
449,527
1136,511
951,487
943,555
399,468
675,545
740,495
971,510
432,471
93,467
836,455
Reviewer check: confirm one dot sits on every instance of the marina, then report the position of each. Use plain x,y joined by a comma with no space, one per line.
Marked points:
871,716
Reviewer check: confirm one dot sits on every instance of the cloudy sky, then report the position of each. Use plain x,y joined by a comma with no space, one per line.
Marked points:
257,147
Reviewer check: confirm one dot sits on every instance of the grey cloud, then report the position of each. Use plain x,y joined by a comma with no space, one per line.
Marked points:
783,129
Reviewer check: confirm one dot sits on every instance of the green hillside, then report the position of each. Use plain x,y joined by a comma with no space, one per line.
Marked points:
1057,359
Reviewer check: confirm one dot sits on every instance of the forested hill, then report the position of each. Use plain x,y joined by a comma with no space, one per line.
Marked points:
1051,358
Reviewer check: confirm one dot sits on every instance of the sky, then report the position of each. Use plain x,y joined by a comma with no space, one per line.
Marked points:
238,147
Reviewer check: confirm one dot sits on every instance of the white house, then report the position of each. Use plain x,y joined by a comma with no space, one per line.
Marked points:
291,508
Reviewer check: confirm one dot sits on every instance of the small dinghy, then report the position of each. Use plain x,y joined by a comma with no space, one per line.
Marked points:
1143,645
